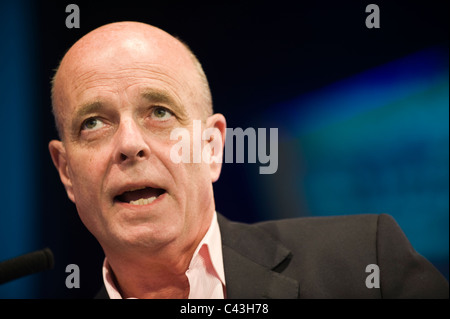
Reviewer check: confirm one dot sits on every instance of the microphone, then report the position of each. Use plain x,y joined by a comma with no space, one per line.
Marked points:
26,265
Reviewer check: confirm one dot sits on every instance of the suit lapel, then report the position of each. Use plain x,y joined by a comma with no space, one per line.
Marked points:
253,263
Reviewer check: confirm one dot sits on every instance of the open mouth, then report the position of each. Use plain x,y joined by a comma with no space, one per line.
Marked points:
141,196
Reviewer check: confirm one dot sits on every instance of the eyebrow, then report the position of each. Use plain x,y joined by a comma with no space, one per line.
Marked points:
151,95
83,110
157,96
88,108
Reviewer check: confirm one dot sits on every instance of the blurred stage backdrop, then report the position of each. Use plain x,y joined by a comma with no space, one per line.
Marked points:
362,114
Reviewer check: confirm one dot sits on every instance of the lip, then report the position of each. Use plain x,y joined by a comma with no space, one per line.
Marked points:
146,206
133,186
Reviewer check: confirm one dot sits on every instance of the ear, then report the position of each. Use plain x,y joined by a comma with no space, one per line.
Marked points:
214,137
58,154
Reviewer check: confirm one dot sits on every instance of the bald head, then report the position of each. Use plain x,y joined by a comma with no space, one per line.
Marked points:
118,48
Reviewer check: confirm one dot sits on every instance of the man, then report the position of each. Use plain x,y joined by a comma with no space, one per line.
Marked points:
118,94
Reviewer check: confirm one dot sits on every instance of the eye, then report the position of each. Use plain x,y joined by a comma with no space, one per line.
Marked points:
161,113
92,124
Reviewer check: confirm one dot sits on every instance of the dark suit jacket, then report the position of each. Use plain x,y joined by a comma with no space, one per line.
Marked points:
323,257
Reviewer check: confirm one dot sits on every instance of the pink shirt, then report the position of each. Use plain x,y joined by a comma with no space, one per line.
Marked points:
205,272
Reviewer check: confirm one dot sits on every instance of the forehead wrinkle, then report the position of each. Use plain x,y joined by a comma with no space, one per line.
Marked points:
112,69
87,81
157,73
92,80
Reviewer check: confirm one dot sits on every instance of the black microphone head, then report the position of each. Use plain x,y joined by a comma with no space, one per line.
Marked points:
49,258
26,265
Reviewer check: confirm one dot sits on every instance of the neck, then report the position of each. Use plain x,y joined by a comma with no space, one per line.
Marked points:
155,274
163,282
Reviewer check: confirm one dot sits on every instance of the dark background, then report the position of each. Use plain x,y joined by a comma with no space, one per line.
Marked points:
256,54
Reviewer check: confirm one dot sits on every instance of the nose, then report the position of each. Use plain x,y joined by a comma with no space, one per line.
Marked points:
131,145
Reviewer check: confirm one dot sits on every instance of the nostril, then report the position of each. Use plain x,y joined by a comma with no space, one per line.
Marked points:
124,157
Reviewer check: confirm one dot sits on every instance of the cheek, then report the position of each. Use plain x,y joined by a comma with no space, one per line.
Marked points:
87,171
195,183
191,179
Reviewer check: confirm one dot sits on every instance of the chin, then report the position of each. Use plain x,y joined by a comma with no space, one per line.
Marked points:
147,236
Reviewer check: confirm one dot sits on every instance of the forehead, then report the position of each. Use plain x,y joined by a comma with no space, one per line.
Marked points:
92,71
131,60
127,78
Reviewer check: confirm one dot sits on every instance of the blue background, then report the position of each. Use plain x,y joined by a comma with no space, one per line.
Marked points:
362,116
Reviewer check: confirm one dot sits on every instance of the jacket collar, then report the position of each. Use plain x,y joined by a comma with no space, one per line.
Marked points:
253,263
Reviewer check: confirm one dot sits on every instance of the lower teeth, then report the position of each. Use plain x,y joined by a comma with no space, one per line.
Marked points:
143,201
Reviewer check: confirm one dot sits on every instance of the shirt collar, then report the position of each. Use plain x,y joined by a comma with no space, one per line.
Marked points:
213,242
